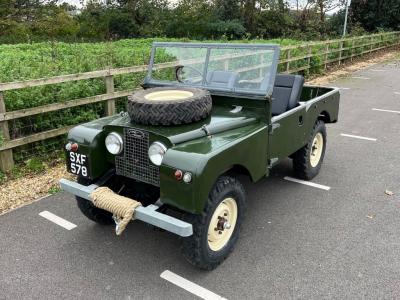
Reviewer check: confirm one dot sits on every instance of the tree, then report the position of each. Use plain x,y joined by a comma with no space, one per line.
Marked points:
376,14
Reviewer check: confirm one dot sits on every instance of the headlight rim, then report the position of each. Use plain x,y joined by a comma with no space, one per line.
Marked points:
119,139
163,148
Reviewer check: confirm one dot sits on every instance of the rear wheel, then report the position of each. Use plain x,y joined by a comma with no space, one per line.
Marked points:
216,230
308,160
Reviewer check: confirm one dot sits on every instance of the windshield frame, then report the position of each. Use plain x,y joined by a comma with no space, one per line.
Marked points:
241,93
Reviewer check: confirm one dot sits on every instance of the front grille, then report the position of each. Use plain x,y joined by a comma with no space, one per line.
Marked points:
134,162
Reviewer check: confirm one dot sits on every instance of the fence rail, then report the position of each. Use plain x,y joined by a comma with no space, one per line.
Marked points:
293,59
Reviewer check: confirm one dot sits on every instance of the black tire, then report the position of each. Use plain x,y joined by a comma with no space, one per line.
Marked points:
93,213
302,158
196,248
169,112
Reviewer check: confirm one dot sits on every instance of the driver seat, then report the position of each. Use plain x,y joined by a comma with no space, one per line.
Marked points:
224,79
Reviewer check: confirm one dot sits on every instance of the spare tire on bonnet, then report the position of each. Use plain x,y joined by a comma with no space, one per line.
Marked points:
169,105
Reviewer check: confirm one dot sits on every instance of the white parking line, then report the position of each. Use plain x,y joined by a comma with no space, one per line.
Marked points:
387,110
190,286
359,77
316,185
56,219
358,137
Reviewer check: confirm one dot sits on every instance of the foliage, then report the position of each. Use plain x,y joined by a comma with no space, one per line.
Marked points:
54,189
46,59
375,15
34,20
3,177
35,165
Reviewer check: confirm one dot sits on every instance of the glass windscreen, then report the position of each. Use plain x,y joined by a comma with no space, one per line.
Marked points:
244,69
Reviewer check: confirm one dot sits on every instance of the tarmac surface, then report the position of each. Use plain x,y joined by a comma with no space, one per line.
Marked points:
297,241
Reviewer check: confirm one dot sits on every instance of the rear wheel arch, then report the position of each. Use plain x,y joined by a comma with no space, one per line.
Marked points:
325,116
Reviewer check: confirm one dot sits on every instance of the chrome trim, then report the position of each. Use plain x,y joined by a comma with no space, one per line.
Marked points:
120,140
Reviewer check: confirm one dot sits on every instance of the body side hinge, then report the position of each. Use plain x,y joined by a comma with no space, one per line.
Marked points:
273,127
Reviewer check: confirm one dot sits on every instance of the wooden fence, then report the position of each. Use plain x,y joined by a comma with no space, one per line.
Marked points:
293,59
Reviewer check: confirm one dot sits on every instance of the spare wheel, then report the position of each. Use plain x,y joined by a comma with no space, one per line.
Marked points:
169,105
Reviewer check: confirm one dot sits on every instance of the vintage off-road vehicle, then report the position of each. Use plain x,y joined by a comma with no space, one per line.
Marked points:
207,112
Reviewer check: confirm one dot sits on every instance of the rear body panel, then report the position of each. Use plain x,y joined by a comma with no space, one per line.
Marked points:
291,130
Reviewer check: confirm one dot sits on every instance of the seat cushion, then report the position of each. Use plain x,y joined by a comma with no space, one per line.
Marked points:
221,78
286,93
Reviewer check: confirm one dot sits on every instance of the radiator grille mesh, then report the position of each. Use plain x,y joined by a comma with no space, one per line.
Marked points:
134,162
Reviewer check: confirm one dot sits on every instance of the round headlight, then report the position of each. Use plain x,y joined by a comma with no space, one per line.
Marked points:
114,143
156,153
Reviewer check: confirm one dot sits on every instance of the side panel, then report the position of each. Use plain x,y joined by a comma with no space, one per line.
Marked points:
290,131
287,134
207,159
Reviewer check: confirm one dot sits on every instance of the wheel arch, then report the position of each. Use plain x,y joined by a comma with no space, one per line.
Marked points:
325,116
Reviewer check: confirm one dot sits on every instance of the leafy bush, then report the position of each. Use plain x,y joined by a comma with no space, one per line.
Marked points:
35,165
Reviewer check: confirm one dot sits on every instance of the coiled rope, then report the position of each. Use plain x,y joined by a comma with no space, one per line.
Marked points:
121,207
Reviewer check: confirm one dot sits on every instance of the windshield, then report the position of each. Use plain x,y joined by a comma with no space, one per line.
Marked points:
242,69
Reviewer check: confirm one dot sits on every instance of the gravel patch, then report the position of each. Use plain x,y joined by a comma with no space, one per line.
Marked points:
21,191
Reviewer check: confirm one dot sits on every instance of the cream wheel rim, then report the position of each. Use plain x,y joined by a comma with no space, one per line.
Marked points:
222,224
316,149
169,95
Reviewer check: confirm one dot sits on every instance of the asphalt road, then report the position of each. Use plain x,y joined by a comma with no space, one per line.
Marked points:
297,241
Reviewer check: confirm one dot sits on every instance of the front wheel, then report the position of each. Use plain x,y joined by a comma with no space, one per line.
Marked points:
308,160
216,230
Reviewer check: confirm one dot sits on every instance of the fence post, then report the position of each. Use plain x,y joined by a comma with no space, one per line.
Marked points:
370,41
110,104
326,55
340,51
309,58
6,156
288,62
352,50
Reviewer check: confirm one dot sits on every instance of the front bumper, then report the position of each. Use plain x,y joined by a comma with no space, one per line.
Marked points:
148,214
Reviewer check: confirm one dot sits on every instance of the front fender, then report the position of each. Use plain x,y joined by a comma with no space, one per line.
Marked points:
90,138
208,158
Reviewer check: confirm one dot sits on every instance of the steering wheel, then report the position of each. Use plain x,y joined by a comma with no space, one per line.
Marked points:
179,72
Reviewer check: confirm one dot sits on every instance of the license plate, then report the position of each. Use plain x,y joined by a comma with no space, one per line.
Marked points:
78,164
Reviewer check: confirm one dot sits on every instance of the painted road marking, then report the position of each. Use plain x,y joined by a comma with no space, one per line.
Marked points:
387,110
316,185
377,70
190,286
359,77
358,137
56,219
397,93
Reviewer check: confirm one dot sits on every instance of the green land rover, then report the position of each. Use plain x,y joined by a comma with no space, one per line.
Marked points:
207,113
